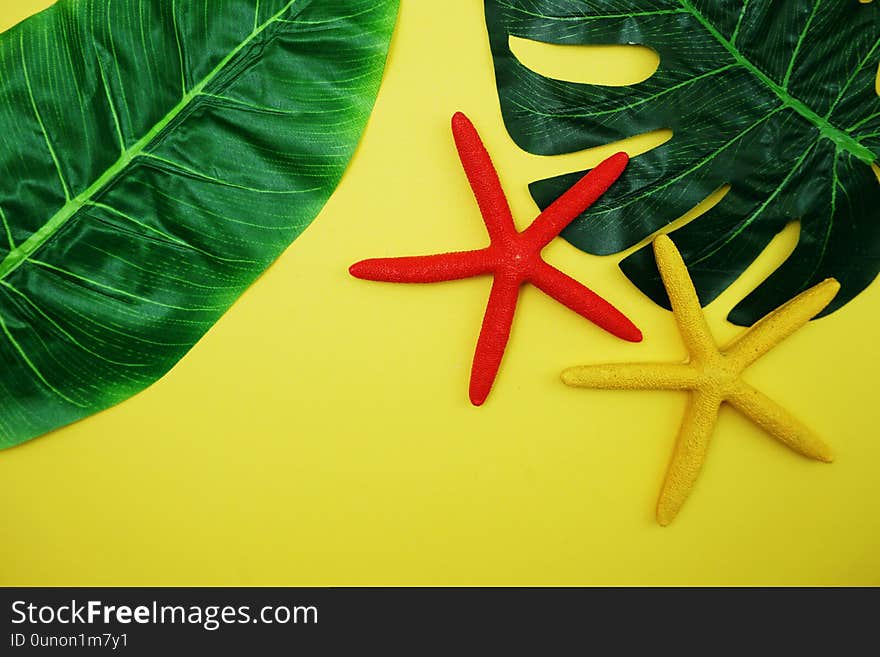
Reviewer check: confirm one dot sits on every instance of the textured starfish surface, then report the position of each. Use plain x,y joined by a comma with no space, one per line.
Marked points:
713,376
513,258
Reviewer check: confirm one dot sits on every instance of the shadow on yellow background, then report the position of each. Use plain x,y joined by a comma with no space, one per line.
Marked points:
321,433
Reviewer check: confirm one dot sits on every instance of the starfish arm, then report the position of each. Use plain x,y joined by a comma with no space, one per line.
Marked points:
483,179
779,423
494,335
683,298
583,301
425,269
781,323
632,376
575,201
690,452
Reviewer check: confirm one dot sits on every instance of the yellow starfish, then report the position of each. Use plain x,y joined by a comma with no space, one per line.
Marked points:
713,376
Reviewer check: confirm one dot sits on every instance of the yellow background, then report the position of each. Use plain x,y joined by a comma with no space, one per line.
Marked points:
321,433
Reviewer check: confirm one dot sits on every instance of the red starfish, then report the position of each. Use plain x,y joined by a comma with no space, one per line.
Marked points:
513,258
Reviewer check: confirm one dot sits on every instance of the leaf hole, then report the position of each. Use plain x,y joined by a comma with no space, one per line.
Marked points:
540,167
768,261
611,65
697,211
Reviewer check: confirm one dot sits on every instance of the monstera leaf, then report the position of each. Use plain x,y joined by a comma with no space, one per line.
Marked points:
157,156
776,99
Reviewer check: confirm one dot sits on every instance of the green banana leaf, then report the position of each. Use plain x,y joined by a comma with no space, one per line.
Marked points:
776,99
157,156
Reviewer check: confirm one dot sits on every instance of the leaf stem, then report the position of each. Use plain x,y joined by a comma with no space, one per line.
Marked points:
25,250
843,140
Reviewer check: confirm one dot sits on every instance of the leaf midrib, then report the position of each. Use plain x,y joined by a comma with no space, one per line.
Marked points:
18,256
828,130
